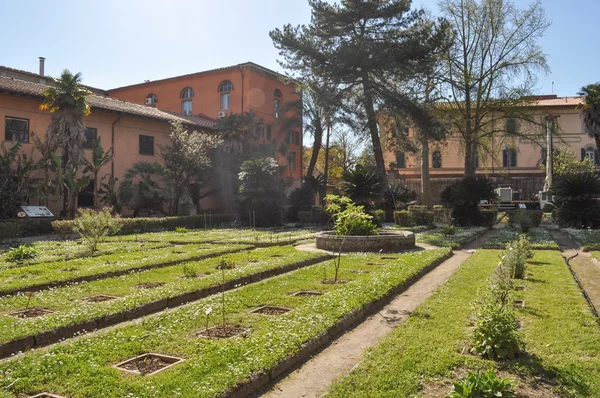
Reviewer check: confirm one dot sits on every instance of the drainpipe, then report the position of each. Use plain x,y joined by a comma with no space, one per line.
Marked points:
112,143
242,73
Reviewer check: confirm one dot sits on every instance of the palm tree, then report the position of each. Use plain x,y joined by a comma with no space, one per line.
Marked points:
260,191
141,190
364,185
591,111
66,100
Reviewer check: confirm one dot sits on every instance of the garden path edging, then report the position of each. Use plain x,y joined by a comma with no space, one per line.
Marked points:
260,380
65,332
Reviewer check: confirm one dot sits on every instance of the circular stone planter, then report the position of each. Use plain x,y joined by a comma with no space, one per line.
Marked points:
384,242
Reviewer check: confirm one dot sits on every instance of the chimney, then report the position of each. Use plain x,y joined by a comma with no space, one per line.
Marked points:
42,59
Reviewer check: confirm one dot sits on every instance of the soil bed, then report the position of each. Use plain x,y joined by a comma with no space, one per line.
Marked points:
305,293
333,282
30,313
98,298
270,310
222,332
148,364
149,285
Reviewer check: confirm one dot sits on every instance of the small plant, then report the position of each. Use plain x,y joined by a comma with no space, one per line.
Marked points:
189,271
448,229
181,230
482,385
516,255
94,226
207,313
29,297
349,219
224,264
523,220
21,253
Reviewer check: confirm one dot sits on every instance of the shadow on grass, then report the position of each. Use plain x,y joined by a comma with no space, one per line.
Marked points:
538,262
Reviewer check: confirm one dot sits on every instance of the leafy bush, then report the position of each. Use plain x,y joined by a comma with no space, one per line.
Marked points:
441,214
94,226
464,197
488,217
141,190
154,224
413,217
350,219
516,255
261,193
577,197
21,253
189,271
447,229
378,216
525,219
299,199
396,195
482,385
181,230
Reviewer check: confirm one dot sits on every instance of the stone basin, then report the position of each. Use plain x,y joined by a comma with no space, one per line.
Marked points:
384,242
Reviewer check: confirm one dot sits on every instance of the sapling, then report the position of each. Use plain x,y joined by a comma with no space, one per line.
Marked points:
29,296
207,313
223,292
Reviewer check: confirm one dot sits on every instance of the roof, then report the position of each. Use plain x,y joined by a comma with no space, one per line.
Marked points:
11,85
553,100
47,78
245,64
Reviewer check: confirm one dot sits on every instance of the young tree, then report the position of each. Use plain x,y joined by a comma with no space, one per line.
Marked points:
66,100
490,67
591,111
187,162
360,46
16,182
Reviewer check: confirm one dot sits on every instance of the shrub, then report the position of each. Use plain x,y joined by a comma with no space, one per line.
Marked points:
181,230
525,219
349,218
447,229
141,190
261,192
365,186
516,255
189,271
299,199
378,216
94,226
21,253
576,197
488,217
396,195
441,214
413,217
464,197
402,218
482,385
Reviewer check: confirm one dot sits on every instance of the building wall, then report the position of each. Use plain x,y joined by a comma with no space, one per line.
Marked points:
256,94
126,144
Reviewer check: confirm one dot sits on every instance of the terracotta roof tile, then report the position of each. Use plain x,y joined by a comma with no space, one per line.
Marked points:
107,103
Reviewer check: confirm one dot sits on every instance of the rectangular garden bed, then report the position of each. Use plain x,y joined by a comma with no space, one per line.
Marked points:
461,236
213,367
105,302
589,239
539,237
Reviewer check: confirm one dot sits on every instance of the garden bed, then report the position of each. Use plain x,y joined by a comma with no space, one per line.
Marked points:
106,302
47,275
462,236
588,239
387,241
563,343
214,367
539,238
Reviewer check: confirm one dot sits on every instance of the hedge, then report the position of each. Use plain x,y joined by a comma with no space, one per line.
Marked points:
25,227
315,216
534,215
413,217
488,217
155,224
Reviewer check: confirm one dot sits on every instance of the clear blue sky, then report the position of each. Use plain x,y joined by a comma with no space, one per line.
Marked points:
121,42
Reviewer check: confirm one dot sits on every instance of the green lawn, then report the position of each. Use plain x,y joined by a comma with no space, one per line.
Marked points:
70,307
456,241
563,341
28,276
83,367
539,238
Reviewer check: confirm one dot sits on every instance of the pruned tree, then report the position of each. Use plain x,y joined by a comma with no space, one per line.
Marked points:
359,46
490,69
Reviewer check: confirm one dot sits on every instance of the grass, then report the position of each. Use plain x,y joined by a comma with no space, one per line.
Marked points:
70,308
563,343
589,239
82,367
539,238
29,276
52,251
460,237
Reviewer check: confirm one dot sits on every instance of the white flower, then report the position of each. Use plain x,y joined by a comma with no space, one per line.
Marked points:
208,310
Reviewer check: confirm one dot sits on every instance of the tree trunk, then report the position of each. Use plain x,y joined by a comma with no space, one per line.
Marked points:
425,180
597,139
326,171
470,153
65,188
315,149
372,123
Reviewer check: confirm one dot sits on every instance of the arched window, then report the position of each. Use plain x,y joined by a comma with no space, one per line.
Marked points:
225,88
276,102
187,92
151,99
436,159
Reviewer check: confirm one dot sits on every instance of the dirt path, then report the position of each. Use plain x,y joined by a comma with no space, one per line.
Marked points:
585,267
313,378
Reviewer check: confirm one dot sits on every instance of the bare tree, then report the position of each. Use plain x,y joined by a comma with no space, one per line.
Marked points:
490,69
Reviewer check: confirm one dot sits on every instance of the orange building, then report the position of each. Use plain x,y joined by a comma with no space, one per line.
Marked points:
218,93
136,119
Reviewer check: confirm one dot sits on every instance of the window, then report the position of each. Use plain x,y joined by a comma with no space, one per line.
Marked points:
16,129
146,145
90,136
292,161
296,138
276,102
509,158
151,99
400,160
187,92
269,133
225,86
436,159
591,153
288,137
261,131
186,107
225,101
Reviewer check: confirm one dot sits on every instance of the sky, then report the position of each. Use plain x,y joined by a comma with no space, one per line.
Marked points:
120,42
